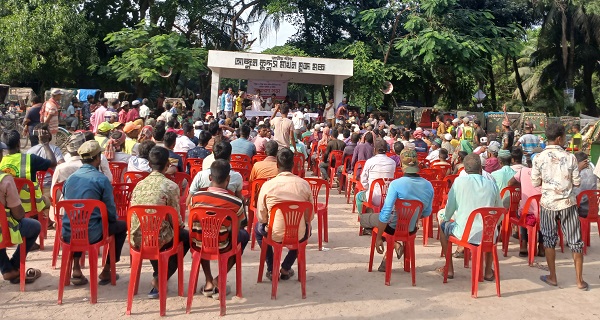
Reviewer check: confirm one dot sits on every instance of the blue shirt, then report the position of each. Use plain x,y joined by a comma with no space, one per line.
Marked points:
420,145
198,152
89,183
406,188
243,146
173,155
467,194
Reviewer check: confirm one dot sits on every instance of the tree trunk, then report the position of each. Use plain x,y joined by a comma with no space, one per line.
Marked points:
564,45
519,81
588,93
492,83
571,66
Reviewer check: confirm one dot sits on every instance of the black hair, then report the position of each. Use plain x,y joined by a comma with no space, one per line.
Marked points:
88,135
169,139
581,156
505,161
393,132
406,135
346,133
204,138
517,155
355,137
187,127
219,171
36,100
577,126
103,100
222,150
245,131
213,128
285,160
285,108
171,123
12,139
443,154
271,148
369,137
462,155
159,131
158,158
334,133
145,148
554,130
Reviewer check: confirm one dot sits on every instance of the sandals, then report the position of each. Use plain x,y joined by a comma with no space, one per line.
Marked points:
207,293
441,271
586,287
79,281
107,281
399,251
458,255
381,266
30,276
545,280
215,292
287,276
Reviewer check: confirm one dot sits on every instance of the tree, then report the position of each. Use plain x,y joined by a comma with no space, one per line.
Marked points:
148,56
42,44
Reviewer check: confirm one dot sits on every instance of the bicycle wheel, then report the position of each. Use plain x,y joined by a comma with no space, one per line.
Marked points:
62,136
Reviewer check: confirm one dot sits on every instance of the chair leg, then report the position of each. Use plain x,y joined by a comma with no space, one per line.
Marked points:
413,270
93,259
496,269
505,235
532,244
302,270
193,281
320,229
476,270
133,280
467,253
238,274
277,251
22,257
222,284
326,225
262,261
180,270
371,255
64,271
425,222
56,247
113,262
163,265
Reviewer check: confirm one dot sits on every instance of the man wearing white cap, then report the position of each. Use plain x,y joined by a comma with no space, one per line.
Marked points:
49,112
134,111
197,107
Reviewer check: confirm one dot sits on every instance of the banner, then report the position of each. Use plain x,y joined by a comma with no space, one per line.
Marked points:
267,88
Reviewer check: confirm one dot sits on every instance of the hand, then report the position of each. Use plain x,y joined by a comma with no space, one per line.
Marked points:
504,107
379,245
45,136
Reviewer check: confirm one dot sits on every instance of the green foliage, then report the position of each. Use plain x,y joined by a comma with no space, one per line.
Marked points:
44,42
286,50
145,54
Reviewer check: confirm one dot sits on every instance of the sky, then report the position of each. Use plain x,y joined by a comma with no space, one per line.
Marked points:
286,30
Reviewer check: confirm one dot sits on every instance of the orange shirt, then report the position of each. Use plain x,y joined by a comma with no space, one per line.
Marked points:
264,169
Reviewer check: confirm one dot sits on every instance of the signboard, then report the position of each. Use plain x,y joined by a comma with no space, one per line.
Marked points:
267,88
280,63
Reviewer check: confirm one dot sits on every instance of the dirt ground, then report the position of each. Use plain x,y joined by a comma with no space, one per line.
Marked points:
338,285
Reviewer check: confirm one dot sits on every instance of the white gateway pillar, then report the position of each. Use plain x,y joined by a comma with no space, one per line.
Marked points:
338,90
214,90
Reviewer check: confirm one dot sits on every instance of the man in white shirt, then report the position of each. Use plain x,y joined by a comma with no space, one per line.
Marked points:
330,112
198,128
198,106
229,103
298,120
144,110
270,102
435,150
183,143
257,101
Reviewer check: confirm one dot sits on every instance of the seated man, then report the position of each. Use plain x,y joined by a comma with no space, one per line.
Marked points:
218,196
200,151
140,162
410,187
261,139
284,187
443,160
435,150
115,148
222,150
267,168
184,143
169,141
242,145
158,190
89,183
334,144
504,174
20,227
397,147
379,166
461,204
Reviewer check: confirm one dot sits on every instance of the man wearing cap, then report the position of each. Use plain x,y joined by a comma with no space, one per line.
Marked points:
528,141
144,110
434,154
451,125
198,106
73,163
19,228
103,133
461,202
88,183
98,116
466,132
491,162
379,166
50,111
134,112
447,145
123,112
410,187
420,145
132,130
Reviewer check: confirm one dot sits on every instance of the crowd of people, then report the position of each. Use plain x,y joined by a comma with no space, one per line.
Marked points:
152,141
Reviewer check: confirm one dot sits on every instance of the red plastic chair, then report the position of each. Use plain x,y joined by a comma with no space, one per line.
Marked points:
135,176
354,183
194,169
338,156
151,219
252,208
383,185
183,180
398,173
7,243
312,151
532,231
292,212
117,169
41,179
183,156
515,198
27,185
444,168
79,213
593,197
345,174
122,193
320,208
439,187
258,158
211,220
320,152
298,168
190,162
406,210
54,196
430,174
489,218
241,158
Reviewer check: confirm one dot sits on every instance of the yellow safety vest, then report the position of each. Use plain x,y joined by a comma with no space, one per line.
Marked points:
18,165
102,140
467,134
129,144
13,225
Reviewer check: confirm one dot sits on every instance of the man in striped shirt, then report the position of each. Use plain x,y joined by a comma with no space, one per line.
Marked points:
218,196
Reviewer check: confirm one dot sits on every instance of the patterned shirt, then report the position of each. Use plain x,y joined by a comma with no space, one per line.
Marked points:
529,142
155,189
198,153
556,171
51,111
